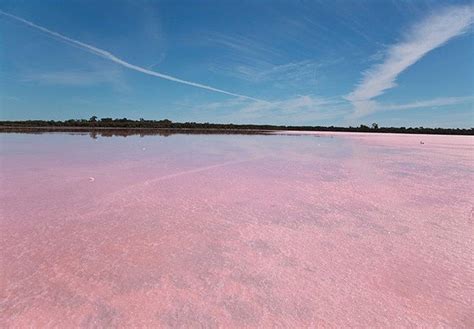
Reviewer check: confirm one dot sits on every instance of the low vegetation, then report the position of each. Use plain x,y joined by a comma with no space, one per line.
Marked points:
96,123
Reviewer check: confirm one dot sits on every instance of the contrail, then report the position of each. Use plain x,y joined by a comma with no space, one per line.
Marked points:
105,54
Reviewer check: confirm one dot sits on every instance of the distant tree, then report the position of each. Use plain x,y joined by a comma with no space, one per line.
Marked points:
165,123
94,123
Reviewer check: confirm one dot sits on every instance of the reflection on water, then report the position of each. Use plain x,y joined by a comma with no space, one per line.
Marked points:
125,132
215,230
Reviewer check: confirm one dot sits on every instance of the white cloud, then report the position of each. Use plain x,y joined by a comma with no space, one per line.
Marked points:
259,60
245,47
78,78
293,72
432,32
436,102
298,110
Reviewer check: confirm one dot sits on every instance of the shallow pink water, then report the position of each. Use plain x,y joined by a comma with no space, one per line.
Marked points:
236,231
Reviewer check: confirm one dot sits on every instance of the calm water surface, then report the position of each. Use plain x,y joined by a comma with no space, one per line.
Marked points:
329,230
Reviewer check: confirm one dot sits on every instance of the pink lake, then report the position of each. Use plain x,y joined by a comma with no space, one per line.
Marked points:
313,230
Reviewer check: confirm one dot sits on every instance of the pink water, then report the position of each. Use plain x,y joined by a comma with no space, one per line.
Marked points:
209,231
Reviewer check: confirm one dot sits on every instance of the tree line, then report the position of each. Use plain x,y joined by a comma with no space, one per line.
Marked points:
95,123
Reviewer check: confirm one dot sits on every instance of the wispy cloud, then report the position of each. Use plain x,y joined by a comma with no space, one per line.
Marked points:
260,60
109,56
285,74
9,98
436,102
78,78
245,46
432,32
292,76
296,74
302,109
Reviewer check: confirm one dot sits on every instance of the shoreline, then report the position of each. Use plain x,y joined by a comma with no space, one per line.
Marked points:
169,131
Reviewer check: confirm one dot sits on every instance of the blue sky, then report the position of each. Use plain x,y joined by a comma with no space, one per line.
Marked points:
398,63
